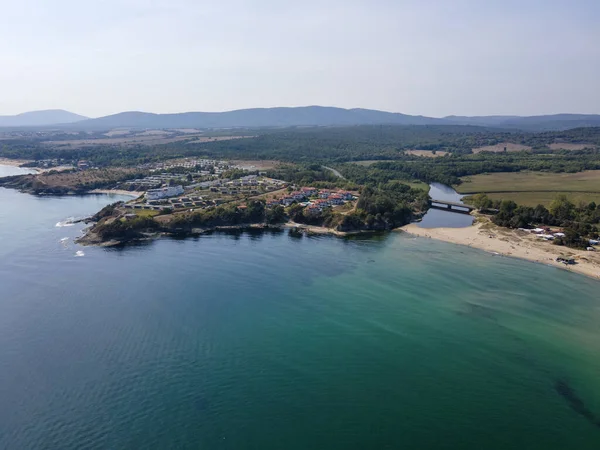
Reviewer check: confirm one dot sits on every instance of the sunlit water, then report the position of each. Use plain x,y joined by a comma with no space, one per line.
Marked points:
269,341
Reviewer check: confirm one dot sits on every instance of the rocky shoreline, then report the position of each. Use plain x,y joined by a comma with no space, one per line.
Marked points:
91,238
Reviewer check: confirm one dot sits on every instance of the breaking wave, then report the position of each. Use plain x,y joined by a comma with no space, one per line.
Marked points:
66,223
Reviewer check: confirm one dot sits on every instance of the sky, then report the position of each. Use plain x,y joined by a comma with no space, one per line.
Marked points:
427,57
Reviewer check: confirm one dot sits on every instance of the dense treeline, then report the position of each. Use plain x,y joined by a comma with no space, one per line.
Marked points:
323,145
310,174
254,211
384,142
580,222
376,209
123,229
449,169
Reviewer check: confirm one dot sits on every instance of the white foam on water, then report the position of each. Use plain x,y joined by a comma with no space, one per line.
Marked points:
65,239
79,253
65,223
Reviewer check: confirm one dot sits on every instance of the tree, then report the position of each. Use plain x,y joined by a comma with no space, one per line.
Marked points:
481,201
561,208
275,215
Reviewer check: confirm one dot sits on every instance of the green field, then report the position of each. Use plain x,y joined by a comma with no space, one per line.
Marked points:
145,212
417,185
532,188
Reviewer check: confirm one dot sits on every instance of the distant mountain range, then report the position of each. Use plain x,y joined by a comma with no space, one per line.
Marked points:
288,117
40,118
554,122
258,117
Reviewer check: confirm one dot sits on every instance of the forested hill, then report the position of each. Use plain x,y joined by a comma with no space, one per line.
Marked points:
327,145
555,122
257,117
309,116
40,118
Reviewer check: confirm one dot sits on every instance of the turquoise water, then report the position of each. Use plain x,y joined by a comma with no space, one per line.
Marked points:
268,341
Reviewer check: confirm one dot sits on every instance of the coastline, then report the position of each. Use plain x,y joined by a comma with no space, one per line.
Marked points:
13,162
134,194
315,229
90,238
486,236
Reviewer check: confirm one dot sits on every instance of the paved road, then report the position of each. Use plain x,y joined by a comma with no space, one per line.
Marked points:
335,172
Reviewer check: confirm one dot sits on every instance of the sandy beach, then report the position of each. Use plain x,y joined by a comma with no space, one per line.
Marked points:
13,162
518,244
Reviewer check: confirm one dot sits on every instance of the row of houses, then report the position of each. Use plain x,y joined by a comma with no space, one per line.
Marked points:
215,165
325,198
155,180
164,192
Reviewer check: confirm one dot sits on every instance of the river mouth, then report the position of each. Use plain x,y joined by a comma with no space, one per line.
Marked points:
436,218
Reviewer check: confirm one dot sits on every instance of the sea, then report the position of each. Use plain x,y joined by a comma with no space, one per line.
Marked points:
266,340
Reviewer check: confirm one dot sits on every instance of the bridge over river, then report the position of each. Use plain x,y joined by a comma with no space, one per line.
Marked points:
452,206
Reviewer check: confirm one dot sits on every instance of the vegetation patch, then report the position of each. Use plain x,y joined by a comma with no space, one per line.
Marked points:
569,146
535,198
427,153
502,147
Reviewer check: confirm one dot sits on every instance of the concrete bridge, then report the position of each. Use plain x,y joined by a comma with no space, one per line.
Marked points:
452,206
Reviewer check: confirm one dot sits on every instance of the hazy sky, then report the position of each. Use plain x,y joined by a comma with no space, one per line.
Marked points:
430,57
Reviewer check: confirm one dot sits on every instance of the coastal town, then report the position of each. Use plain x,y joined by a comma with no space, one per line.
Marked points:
192,184
208,194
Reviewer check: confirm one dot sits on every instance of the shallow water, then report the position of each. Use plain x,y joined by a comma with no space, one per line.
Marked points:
270,341
6,171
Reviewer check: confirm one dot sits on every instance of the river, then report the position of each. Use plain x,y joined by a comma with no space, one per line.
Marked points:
436,218
270,340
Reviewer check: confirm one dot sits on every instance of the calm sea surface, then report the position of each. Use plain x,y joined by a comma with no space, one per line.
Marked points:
268,341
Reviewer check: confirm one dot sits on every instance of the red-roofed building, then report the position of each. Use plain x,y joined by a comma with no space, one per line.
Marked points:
336,199
297,195
287,201
308,191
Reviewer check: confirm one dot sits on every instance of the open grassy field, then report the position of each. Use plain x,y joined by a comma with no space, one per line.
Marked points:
145,213
500,148
417,185
569,146
545,198
532,188
426,153
151,137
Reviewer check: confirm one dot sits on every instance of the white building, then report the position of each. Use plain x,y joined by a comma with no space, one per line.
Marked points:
164,192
